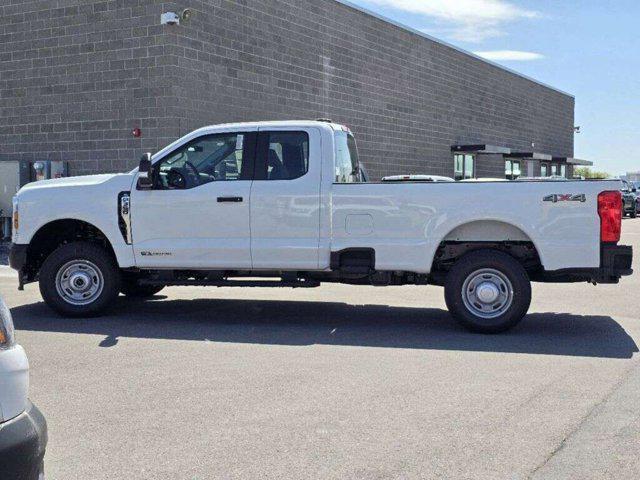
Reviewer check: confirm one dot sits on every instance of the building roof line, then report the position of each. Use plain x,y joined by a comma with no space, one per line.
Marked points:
446,44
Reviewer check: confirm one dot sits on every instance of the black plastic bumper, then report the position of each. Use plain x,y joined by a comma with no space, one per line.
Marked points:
23,441
18,261
18,256
615,263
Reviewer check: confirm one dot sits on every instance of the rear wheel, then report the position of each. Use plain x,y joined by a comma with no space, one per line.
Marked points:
488,291
79,279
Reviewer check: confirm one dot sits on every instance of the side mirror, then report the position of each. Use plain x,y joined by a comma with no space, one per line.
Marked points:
145,177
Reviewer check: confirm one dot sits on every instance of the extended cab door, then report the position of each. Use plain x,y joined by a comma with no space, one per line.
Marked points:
285,199
197,214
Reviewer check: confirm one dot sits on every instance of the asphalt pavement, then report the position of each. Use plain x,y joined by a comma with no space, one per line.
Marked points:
339,382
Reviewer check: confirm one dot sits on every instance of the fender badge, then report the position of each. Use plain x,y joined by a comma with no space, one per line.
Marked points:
156,254
565,197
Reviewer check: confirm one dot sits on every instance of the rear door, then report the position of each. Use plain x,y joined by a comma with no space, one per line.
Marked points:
285,199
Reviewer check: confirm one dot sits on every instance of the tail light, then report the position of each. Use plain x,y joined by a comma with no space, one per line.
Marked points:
610,211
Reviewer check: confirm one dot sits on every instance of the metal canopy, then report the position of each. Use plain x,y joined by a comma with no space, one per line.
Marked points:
573,161
545,157
481,148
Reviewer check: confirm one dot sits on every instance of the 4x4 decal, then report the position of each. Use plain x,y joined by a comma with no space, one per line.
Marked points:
565,197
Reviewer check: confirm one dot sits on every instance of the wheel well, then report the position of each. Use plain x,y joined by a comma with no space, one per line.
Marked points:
57,233
487,231
450,251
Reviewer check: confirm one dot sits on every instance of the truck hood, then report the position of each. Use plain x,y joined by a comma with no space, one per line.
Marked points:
83,181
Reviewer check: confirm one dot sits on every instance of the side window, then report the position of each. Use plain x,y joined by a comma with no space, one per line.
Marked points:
211,158
283,155
347,168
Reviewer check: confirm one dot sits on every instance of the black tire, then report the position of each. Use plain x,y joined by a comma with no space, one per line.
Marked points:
130,286
498,266
101,262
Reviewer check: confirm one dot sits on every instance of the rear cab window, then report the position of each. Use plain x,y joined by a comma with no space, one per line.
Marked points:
346,166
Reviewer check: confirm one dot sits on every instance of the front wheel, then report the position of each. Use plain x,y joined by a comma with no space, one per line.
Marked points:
79,279
487,291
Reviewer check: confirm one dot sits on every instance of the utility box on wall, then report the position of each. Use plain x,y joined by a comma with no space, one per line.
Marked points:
48,169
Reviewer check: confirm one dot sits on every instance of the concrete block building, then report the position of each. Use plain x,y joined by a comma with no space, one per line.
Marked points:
98,82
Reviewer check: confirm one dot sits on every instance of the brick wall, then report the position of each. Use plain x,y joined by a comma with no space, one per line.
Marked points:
76,79
77,76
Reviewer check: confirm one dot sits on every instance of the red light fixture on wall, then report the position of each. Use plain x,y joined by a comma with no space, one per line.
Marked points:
136,132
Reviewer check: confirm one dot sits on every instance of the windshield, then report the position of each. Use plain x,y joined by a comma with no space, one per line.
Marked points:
346,167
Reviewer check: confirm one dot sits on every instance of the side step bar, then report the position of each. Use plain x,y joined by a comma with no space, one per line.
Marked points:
233,283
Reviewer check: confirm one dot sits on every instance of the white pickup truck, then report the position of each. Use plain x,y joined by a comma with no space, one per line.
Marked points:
284,204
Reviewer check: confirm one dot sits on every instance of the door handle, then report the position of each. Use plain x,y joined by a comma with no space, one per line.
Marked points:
230,199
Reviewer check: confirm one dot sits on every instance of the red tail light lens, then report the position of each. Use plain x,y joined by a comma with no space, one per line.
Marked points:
610,211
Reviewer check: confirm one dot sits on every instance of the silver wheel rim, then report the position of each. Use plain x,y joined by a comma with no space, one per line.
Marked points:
487,293
79,282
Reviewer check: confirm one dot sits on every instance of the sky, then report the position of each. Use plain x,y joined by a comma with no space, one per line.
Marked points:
588,48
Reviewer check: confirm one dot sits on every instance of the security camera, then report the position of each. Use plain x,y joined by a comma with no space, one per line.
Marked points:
186,14
170,18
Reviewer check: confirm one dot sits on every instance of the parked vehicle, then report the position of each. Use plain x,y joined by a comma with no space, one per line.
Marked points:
417,178
23,430
286,201
636,185
629,199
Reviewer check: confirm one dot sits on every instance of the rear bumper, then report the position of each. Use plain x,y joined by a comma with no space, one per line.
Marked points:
615,263
23,441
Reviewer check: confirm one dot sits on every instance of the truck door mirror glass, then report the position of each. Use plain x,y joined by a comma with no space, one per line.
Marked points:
145,177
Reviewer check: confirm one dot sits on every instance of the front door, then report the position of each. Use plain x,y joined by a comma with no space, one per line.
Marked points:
197,214
285,199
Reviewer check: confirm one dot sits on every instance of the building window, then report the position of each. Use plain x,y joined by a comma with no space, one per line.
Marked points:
563,171
512,169
544,170
554,170
463,166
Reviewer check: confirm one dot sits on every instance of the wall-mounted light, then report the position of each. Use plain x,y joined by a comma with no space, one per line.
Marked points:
576,129
136,132
170,18
173,18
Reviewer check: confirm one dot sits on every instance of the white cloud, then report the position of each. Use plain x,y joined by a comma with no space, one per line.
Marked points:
464,20
514,55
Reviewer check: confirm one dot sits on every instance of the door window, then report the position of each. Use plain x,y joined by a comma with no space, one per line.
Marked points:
211,158
512,169
544,172
282,155
463,166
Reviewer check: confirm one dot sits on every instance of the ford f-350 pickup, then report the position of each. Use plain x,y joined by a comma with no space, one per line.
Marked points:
285,204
